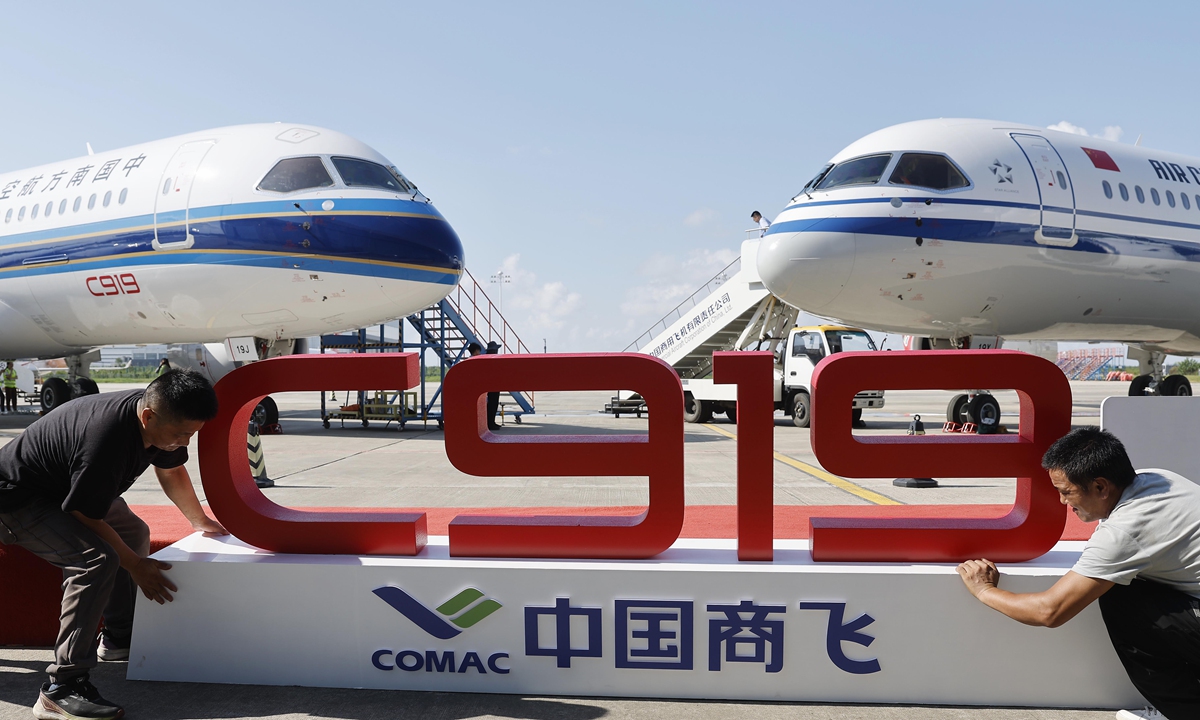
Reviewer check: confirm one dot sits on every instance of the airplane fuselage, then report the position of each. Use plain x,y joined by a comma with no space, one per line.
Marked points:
1015,231
275,231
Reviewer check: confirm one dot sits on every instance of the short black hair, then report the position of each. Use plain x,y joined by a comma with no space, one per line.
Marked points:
755,213
1087,453
181,394
474,348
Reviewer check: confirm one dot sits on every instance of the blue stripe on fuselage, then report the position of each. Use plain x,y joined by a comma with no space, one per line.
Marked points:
377,238
999,233
996,233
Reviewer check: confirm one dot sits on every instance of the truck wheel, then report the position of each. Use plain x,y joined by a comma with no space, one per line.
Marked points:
695,411
731,412
856,418
801,410
956,411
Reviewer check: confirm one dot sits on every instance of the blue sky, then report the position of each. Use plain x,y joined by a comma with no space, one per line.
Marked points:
606,155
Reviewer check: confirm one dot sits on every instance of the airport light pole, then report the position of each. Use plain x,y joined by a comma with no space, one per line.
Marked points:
501,279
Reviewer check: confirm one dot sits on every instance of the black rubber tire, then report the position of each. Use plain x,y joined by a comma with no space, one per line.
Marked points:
1137,388
801,410
956,410
1175,386
266,412
55,392
856,418
984,410
88,386
366,423
696,411
731,413
325,423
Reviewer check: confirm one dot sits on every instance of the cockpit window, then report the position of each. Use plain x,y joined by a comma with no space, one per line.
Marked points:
363,173
859,171
295,174
929,171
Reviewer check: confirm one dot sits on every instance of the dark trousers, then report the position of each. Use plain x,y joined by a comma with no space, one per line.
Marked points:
94,584
10,398
1155,630
493,407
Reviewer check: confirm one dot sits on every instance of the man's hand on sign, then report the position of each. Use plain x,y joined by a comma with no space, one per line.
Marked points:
979,575
148,574
210,527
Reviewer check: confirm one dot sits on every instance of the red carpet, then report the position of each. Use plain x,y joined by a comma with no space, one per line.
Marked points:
30,588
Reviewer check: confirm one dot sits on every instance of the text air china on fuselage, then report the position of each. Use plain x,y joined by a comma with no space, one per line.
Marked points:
273,231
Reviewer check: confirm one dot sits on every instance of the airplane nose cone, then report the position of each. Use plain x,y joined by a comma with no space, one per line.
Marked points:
807,269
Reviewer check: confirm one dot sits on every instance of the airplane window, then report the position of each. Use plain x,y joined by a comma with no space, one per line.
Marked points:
1107,190
75,205
120,198
62,206
8,216
49,208
1141,196
362,173
33,215
1170,198
107,198
1124,191
92,201
167,186
292,174
1183,198
21,214
1154,196
1062,180
927,170
1198,202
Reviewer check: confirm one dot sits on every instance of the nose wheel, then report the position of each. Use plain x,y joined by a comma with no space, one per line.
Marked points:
982,410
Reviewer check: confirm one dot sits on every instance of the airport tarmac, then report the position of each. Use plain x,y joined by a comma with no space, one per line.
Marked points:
387,467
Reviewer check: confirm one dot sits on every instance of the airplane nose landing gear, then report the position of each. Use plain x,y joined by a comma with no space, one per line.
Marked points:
1152,381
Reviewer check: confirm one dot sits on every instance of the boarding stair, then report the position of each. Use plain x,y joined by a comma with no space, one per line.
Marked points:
732,311
444,331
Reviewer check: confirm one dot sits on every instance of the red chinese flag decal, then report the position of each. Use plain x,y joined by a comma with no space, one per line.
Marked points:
1101,159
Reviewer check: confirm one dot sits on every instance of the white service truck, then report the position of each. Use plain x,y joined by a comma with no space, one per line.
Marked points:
735,311
805,347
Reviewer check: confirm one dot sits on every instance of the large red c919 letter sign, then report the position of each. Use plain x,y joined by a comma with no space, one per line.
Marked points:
658,454
241,506
1037,518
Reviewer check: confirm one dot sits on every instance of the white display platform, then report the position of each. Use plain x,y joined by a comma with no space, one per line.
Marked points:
1157,431
621,628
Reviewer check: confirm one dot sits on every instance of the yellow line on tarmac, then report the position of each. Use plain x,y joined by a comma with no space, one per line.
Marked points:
818,473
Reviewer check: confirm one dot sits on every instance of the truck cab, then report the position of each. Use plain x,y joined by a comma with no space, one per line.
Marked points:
806,346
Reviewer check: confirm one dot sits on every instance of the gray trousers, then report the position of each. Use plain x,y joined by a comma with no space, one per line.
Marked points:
94,585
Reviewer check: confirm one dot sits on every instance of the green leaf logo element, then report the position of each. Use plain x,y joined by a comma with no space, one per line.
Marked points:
468,611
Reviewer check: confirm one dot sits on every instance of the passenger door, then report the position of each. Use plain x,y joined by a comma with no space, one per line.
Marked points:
173,196
807,350
1055,193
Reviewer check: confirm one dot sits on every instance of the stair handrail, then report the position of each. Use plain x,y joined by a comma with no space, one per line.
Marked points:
496,324
677,312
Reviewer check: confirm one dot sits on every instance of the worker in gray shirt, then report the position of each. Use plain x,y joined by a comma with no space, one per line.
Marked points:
1142,563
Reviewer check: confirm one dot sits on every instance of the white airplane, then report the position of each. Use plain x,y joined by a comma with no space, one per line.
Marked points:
256,233
968,232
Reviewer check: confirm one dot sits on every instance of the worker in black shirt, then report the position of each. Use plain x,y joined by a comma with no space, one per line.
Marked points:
60,487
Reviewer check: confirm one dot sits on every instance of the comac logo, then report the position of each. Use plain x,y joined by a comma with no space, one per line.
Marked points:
463,610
